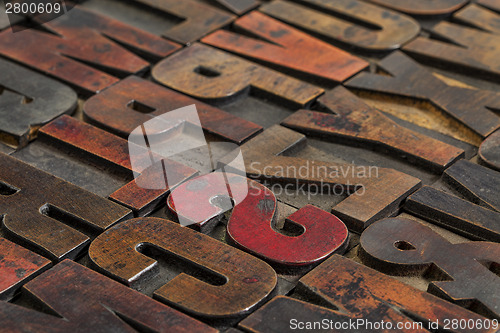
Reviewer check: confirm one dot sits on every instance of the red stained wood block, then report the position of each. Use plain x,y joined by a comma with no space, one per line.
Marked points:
110,150
252,225
383,29
287,48
86,301
208,74
85,36
423,7
461,271
350,118
17,266
470,107
30,100
474,51
489,152
121,109
349,292
241,282
198,19
373,195
50,215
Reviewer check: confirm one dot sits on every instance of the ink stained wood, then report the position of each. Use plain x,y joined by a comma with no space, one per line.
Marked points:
288,48
87,37
458,215
383,192
360,293
476,183
49,215
243,280
460,272
470,107
252,225
239,7
198,19
479,17
211,75
110,150
17,266
423,7
121,109
388,29
476,52
86,301
489,152
29,100
350,118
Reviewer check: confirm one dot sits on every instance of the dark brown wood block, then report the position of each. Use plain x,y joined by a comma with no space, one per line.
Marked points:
382,189
241,281
89,38
17,266
423,7
29,100
474,51
121,109
110,150
288,48
252,225
49,215
475,182
387,30
472,108
489,152
198,19
463,273
451,212
492,4
239,6
208,74
349,292
479,17
81,300
348,117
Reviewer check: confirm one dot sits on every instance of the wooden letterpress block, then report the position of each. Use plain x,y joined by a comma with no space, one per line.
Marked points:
85,301
107,149
17,266
392,29
489,152
28,101
479,17
239,6
214,280
423,7
84,36
451,212
463,273
289,48
198,19
382,190
252,225
474,51
471,108
344,292
122,108
350,118
49,215
211,75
